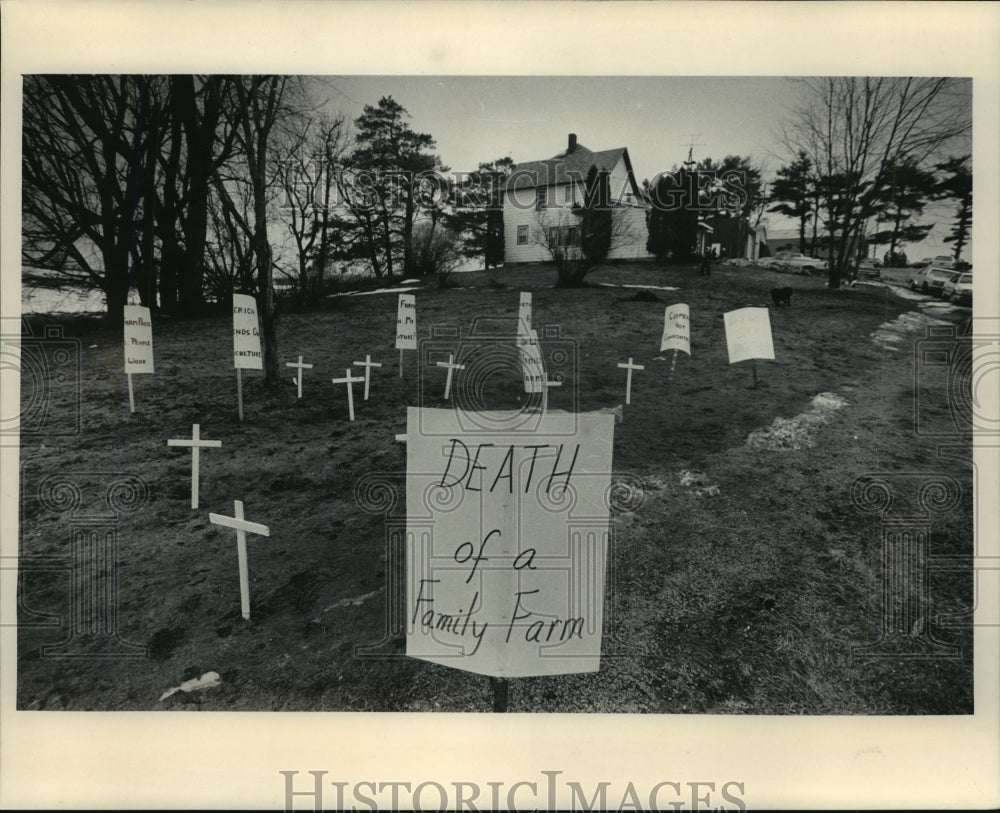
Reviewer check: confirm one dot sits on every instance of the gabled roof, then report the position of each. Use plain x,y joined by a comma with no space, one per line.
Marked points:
564,168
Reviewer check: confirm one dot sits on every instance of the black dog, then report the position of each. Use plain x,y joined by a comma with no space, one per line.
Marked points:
782,296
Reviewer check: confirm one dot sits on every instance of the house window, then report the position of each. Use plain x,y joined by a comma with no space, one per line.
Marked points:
561,236
568,195
541,197
522,235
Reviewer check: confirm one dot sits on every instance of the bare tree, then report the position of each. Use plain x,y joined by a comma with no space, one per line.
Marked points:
256,105
560,231
88,179
855,129
309,154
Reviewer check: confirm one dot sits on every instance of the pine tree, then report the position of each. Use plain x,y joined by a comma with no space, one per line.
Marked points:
957,185
397,160
792,191
908,190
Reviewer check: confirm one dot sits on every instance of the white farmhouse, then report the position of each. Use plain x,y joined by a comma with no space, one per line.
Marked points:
537,210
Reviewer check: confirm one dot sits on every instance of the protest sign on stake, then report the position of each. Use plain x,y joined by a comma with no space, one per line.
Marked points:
350,381
628,381
545,392
196,443
450,364
748,336
532,369
676,333
247,354
138,343
524,313
298,373
406,326
242,526
506,555
367,364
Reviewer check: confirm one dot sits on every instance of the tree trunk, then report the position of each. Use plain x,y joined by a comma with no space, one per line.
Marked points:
408,233
116,285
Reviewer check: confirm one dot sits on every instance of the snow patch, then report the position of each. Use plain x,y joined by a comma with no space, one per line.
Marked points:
646,287
788,434
353,601
206,681
902,327
698,483
379,291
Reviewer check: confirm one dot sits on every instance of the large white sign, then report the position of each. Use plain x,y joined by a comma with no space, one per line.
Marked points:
406,323
676,329
507,537
748,334
246,334
138,340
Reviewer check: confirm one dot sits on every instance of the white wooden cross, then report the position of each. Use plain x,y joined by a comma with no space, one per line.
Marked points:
350,381
242,526
628,384
298,372
450,364
196,443
367,364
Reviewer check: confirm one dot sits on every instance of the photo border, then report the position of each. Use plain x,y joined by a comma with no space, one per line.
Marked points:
232,760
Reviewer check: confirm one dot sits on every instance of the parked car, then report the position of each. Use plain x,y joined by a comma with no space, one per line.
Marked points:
944,262
930,280
958,289
923,263
868,269
797,260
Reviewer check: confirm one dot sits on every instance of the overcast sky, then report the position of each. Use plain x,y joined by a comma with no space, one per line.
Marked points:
476,119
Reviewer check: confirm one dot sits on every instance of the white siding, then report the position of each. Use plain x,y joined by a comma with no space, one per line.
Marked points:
629,242
522,215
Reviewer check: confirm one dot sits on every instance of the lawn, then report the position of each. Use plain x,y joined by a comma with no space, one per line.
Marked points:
741,579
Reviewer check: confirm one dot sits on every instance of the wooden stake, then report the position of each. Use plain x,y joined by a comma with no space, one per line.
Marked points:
754,368
545,393
401,362
501,694
131,394
239,392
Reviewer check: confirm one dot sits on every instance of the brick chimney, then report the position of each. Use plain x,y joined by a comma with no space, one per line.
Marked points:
572,143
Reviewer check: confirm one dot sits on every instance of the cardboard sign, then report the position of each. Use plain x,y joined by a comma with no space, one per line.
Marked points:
524,313
507,540
406,322
748,334
676,329
246,334
532,369
138,340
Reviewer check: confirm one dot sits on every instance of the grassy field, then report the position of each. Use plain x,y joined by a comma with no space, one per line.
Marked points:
739,585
